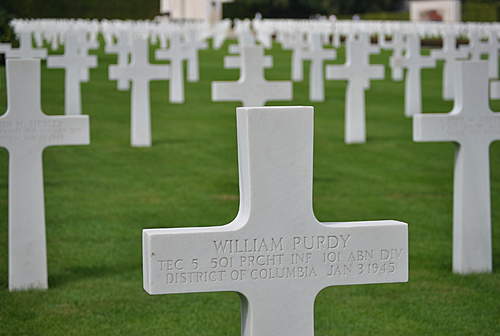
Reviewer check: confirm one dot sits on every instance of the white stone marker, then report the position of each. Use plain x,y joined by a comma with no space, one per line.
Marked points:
193,45
25,49
298,45
252,88
414,62
245,39
275,253
140,73
358,72
5,48
397,45
473,126
220,33
491,48
87,41
495,90
25,132
122,49
235,62
475,47
317,55
176,54
450,54
74,62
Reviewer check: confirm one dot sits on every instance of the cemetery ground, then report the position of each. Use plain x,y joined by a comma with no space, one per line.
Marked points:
98,199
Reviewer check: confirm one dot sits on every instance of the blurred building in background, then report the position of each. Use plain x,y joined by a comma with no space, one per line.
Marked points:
436,10
204,10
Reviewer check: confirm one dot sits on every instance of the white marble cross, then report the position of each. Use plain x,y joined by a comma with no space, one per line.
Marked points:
176,54
358,72
275,253
491,48
473,126
140,72
192,46
252,88
74,62
298,44
25,49
86,41
317,55
235,62
495,89
122,49
245,39
475,46
397,45
450,54
25,132
220,32
414,62
5,48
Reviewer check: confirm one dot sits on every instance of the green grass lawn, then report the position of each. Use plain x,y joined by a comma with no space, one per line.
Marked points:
98,198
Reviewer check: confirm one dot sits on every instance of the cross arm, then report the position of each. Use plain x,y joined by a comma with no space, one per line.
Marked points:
5,48
226,259
428,62
337,72
227,91
423,62
116,72
31,53
91,61
69,130
364,253
435,127
189,260
396,61
439,54
373,49
233,62
324,54
376,71
234,49
158,71
56,61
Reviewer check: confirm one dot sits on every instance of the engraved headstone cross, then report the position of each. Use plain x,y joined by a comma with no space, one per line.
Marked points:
25,132
275,253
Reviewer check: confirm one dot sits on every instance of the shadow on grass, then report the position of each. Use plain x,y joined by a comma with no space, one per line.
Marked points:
172,141
83,273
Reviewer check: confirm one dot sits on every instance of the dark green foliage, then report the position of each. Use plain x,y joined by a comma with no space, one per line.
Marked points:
6,32
476,11
106,9
90,9
306,8
398,16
